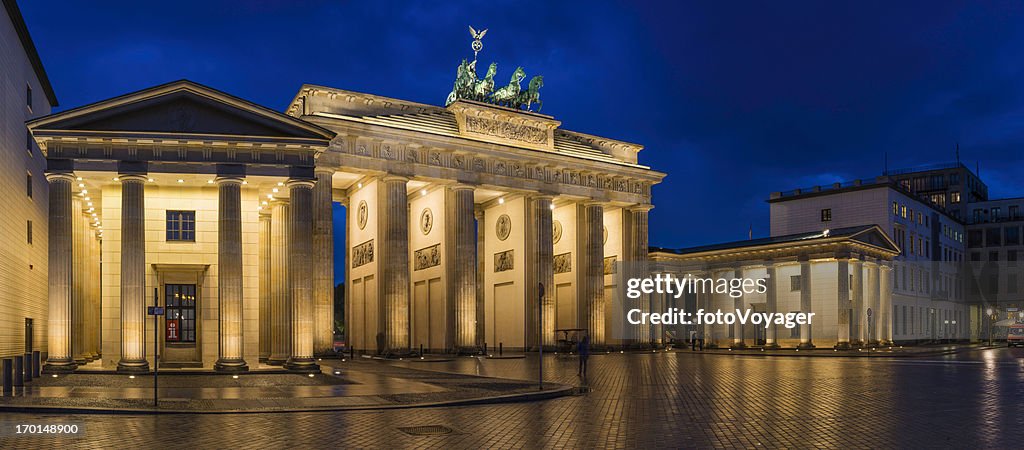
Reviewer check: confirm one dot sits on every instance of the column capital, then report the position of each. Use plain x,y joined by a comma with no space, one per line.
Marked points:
640,207
324,170
293,183
60,176
133,177
461,187
392,177
229,179
264,213
279,201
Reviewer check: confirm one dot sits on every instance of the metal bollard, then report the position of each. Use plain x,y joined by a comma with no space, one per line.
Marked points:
19,371
501,348
36,360
352,353
28,367
8,376
485,348
421,350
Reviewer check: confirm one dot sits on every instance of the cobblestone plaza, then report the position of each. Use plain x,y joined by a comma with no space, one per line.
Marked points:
642,400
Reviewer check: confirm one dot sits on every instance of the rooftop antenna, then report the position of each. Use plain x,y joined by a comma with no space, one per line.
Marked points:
958,154
750,232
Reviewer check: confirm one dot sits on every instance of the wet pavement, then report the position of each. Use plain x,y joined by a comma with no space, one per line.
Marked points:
341,385
665,399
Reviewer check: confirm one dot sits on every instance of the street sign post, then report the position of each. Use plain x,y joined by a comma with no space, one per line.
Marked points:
155,311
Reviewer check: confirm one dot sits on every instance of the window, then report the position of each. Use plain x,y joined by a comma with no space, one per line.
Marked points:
993,256
975,256
28,142
794,333
954,197
180,322
977,215
992,236
995,213
1014,211
28,232
28,184
181,226
903,211
974,238
28,96
826,215
954,178
895,209
1012,235
794,283
1011,255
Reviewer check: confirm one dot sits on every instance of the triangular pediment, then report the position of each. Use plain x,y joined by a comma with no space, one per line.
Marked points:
181,108
874,236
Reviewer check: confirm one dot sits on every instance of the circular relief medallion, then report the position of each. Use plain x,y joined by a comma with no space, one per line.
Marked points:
361,214
426,221
503,227
556,231
605,235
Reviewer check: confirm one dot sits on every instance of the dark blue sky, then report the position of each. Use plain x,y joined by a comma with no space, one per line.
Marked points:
733,99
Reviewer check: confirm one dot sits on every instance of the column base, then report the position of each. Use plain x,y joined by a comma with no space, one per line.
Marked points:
231,365
59,366
302,365
273,360
843,346
805,346
772,346
738,345
132,366
856,343
873,343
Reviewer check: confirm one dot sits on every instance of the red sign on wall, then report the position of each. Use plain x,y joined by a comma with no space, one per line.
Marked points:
172,331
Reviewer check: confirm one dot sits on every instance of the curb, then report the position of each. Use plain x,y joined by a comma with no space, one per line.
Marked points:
547,394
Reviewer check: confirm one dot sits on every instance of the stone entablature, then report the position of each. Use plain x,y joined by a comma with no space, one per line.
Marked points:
476,140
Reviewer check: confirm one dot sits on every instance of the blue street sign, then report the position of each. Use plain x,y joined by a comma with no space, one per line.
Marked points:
155,310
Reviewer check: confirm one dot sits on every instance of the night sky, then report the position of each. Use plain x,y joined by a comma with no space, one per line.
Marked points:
733,99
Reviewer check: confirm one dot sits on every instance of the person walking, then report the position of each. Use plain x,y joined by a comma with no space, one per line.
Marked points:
693,340
583,349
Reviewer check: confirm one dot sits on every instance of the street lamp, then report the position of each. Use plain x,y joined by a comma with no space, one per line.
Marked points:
991,318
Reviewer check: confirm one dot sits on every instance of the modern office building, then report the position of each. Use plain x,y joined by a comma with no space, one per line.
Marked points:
25,93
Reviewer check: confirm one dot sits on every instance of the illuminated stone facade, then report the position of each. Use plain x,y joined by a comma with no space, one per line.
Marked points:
220,210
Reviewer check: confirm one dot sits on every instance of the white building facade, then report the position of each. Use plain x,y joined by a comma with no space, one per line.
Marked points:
25,93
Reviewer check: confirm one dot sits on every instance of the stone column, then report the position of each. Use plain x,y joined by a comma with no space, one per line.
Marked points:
280,295
393,234
857,269
478,214
60,264
872,303
266,275
590,274
771,305
78,278
843,302
805,301
133,274
539,270
323,263
635,247
97,289
300,277
885,304
229,275
91,296
737,327
461,265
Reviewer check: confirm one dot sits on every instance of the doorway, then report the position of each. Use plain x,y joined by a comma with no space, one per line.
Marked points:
181,302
